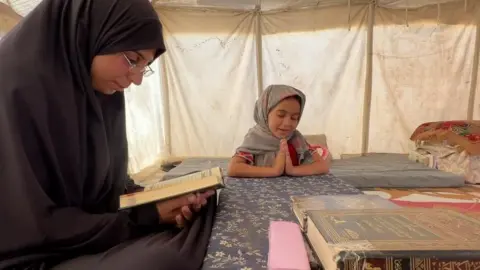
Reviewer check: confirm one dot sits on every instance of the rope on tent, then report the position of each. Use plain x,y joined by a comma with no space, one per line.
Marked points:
166,107
474,79
438,13
259,46
406,16
406,13
466,4
349,14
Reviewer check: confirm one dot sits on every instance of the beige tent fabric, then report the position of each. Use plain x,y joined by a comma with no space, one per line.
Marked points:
201,103
321,52
8,18
211,80
281,5
21,7
145,121
422,69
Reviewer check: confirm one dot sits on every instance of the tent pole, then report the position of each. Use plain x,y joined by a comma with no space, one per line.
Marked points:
166,108
258,45
473,81
367,98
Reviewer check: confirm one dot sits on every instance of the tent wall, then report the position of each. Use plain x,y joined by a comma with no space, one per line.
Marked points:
372,72
323,54
422,71
145,121
211,79
421,65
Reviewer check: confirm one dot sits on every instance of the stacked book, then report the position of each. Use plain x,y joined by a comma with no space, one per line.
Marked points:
369,232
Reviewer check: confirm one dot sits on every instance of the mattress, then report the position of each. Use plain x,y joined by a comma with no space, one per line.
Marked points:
392,170
239,237
196,164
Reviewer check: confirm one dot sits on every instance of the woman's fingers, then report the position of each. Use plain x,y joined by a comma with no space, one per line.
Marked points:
183,207
208,193
180,221
187,213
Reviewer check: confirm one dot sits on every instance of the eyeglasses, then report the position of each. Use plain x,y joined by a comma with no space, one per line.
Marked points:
146,70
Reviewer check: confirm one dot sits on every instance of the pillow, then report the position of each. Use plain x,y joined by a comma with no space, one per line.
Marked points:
465,134
469,129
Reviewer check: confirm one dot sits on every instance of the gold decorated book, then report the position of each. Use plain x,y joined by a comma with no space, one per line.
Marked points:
195,182
404,238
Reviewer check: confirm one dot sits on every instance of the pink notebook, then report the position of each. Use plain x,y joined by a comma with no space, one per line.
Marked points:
286,247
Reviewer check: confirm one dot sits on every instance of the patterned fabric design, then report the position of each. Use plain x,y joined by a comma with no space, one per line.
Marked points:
240,234
467,129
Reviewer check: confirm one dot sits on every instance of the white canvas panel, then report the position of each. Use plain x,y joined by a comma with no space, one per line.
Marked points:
212,80
422,65
145,121
315,51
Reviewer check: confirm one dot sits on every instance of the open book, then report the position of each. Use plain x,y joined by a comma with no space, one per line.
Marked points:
191,183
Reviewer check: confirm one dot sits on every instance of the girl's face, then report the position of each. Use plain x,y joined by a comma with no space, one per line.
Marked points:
115,72
283,118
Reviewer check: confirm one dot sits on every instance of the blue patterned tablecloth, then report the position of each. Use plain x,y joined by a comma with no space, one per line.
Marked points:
240,234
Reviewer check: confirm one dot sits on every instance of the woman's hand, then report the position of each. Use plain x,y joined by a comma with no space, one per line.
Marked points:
180,210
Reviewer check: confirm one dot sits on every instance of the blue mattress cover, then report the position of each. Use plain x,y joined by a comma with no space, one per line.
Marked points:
391,171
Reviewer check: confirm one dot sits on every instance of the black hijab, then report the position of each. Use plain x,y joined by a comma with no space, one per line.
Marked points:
63,148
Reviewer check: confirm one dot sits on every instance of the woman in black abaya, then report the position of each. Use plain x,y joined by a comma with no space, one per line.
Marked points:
63,148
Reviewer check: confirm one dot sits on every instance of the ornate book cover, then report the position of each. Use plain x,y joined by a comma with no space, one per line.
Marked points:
349,239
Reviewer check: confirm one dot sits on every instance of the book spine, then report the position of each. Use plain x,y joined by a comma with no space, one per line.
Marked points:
410,264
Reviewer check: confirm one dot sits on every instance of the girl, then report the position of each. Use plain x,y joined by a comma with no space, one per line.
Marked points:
274,146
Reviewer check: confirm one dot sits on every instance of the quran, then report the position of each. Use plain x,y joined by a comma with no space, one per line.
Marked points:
164,190
394,238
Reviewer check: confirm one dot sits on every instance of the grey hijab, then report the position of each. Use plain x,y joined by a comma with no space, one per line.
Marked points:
260,142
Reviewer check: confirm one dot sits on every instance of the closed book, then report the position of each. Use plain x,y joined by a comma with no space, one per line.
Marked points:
376,238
